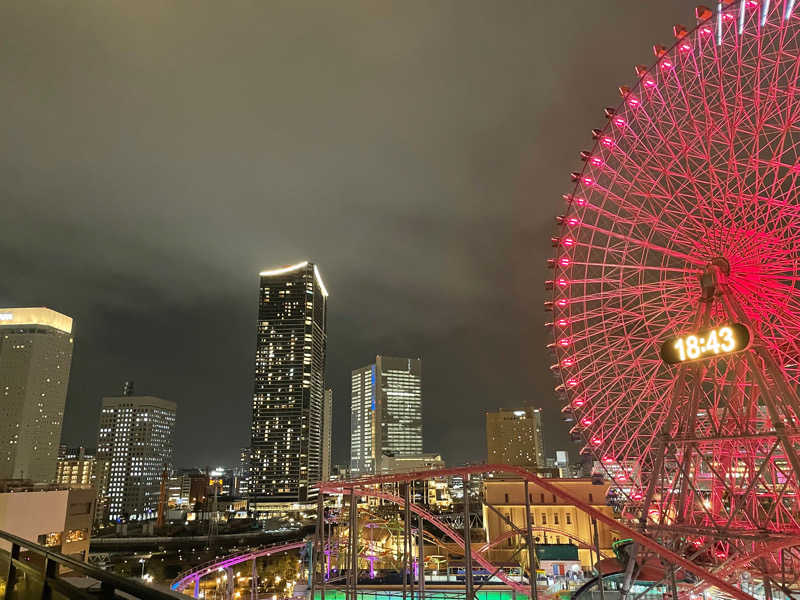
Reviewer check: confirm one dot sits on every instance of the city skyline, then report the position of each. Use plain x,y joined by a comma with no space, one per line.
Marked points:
429,198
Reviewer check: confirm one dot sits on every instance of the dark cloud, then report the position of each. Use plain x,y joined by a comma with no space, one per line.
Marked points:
155,156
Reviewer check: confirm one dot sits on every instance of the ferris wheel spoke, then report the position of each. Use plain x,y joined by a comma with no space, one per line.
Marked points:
647,245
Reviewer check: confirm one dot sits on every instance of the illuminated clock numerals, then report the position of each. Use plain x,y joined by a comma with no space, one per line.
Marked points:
692,347
733,337
712,344
679,346
728,340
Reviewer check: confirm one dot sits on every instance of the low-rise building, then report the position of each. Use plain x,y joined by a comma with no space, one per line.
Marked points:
555,519
76,467
51,515
392,465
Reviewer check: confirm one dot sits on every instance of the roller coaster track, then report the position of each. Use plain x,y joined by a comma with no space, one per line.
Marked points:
366,487
194,575
362,486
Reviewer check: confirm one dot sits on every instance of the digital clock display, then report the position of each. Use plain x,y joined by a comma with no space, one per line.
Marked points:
724,339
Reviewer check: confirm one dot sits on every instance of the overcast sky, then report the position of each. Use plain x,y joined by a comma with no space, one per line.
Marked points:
156,155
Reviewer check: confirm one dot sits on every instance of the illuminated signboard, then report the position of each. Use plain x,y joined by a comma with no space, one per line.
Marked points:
724,339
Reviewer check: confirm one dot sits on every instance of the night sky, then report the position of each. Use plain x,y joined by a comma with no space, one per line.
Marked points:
156,155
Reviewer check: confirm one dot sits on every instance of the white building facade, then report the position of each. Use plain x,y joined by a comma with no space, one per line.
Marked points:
136,442
385,412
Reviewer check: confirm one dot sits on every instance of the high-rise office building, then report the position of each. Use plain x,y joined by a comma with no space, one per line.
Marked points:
244,471
136,443
385,412
35,360
288,396
76,467
327,434
514,437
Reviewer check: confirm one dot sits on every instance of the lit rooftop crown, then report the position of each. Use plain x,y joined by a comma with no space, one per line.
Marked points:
296,267
36,316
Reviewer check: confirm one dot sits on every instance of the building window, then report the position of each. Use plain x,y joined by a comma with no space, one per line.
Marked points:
554,499
506,498
77,535
542,498
555,521
544,519
591,497
569,519
50,540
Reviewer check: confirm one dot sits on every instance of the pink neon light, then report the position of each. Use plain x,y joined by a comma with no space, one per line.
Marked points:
567,362
562,283
666,64
563,342
562,302
572,221
633,101
596,441
580,201
596,161
586,421
578,402
685,47
568,242
706,30
587,180
619,121
649,82
572,382
606,141
563,261
562,322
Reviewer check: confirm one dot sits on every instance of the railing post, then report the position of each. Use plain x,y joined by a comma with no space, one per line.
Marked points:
531,546
107,590
421,556
49,572
11,578
354,543
467,540
597,549
318,551
230,583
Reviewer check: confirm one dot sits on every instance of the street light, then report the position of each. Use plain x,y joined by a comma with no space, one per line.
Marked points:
142,561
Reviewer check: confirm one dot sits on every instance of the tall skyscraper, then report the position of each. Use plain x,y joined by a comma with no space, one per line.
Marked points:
287,430
514,437
327,433
136,443
385,412
35,360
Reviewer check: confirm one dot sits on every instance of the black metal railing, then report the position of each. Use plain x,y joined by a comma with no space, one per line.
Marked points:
34,572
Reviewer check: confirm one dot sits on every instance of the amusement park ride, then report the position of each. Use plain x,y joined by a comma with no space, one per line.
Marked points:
675,296
676,323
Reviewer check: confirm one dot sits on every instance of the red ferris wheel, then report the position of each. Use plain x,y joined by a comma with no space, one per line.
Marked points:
676,292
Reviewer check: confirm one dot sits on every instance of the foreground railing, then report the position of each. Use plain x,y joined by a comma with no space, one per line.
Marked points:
36,572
